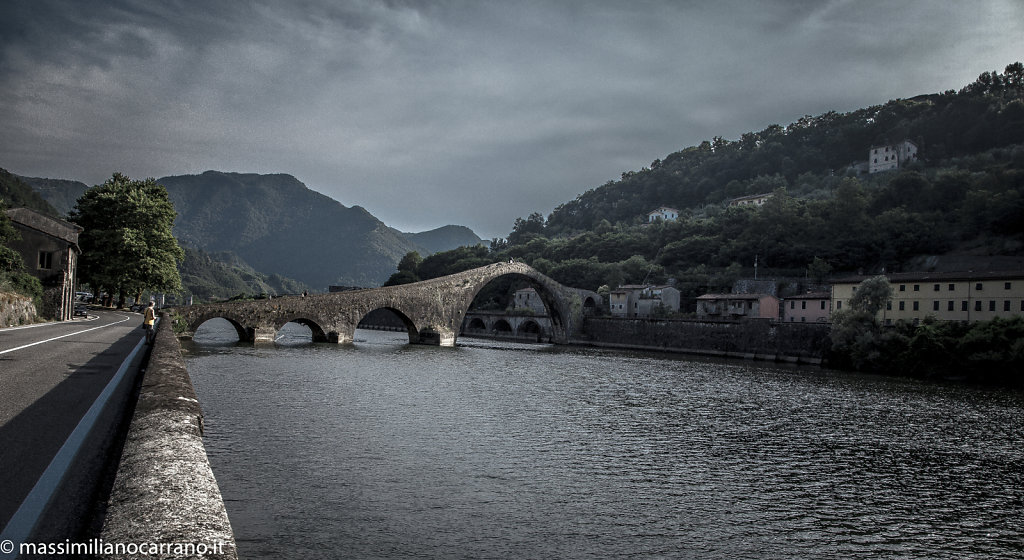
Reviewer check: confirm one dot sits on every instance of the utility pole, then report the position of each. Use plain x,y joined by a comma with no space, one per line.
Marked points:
755,266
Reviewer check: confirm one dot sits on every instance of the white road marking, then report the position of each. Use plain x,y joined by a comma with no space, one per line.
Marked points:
63,336
24,521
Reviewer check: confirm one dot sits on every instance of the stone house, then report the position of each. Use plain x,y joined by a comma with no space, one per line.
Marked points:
642,301
49,247
892,156
947,296
527,298
812,307
738,306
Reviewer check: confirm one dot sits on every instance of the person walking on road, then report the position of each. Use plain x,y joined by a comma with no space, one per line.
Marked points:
148,321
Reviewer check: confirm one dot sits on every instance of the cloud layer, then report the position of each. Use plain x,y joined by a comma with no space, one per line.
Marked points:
429,113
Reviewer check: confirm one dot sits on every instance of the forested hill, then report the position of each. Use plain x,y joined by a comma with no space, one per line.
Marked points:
278,225
984,115
15,193
960,204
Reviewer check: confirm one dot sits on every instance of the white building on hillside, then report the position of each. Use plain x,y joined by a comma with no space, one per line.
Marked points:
893,156
663,213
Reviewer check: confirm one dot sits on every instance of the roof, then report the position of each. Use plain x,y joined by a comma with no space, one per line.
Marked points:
750,196
935,276
54,227
812,295
904,141
661,209
753,297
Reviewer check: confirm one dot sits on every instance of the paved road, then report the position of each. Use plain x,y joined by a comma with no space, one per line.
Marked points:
49,377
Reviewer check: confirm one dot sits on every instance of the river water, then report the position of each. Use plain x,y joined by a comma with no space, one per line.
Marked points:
381,449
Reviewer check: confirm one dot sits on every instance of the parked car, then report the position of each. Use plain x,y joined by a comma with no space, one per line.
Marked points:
81,311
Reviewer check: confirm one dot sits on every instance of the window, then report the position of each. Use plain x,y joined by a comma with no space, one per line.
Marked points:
902,305
792,305
950,307
915,306
917,287
803,305
935,306
952,287
963,306
1006,305
903,287
937,287
839,304
978,286
991,305
888,306
977,305
803,319
823,304
45,260
1006,286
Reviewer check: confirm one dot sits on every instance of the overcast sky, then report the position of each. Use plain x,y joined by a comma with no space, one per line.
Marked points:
454,112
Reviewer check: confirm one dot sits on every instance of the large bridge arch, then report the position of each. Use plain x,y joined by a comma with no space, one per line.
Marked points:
552,294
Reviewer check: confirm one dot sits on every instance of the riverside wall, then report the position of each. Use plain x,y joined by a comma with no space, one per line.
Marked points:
752,339
165,491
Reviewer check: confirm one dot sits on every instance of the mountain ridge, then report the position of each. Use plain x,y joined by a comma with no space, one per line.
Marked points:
278,225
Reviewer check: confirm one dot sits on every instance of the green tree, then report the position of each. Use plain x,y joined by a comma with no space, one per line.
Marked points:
525,230
408,270
819,269
12,274
127,244
871,295
10,260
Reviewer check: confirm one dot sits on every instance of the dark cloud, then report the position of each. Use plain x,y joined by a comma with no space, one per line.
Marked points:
429,113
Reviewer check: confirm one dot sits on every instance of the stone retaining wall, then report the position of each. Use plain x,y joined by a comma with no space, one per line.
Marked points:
165,491
792,342
16,309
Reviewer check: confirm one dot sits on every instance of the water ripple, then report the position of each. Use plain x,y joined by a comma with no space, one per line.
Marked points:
488,450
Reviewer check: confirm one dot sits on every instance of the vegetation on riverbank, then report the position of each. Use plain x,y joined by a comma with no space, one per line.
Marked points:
984,352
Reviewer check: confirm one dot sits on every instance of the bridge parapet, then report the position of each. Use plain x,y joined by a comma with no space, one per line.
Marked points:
432,310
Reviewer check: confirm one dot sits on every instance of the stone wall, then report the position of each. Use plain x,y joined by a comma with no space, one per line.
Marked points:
756,339
16,309
165,491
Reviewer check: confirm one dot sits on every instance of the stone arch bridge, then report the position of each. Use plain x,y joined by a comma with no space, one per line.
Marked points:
432,310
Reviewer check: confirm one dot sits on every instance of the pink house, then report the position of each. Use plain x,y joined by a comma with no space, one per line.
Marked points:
813,307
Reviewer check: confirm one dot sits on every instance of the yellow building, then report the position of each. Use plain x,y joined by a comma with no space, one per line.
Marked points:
947,296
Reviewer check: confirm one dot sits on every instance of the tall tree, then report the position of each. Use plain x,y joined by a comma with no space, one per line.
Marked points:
127,244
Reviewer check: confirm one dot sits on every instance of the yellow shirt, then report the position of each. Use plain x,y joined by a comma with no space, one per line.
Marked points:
149,316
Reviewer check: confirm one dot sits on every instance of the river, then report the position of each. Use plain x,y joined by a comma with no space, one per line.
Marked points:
381,449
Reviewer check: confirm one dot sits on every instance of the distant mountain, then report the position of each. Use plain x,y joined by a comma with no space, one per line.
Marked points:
444,238
210,277
276,225
17,192
62,194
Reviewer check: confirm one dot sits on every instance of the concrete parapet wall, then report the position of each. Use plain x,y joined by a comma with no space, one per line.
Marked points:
165,492
805,343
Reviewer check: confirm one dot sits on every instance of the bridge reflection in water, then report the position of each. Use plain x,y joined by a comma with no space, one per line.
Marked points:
432,310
